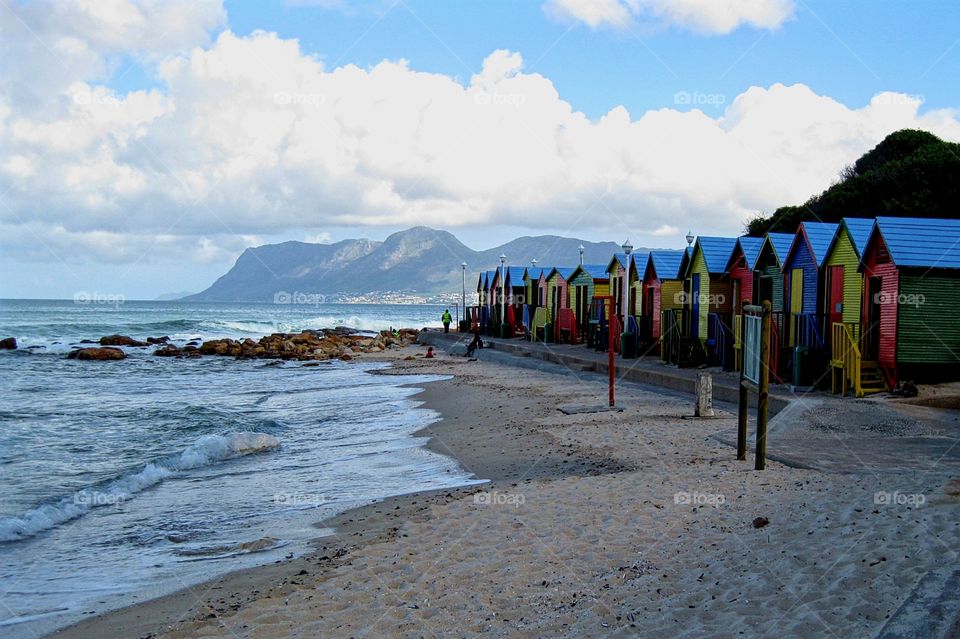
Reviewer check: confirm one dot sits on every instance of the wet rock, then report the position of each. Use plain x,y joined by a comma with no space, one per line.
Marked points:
120,340
168,351
97,354
158,340
8,343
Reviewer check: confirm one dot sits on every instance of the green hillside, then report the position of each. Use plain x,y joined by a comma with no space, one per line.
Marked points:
909,174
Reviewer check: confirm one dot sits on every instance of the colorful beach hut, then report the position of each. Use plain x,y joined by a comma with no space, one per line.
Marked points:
542,319
741,274
770,286
586,281
663,289
804,284
516,294
641,327
911,323
531,281
558,301
708,298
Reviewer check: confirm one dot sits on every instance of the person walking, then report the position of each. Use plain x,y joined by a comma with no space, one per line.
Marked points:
446,319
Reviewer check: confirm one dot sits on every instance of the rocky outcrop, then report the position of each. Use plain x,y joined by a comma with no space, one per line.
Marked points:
8,343
120,340
307,345
98,354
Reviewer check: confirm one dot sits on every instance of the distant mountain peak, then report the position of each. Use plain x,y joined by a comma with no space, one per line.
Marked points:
419,260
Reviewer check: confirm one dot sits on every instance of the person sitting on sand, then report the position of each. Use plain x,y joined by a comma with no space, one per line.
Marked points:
446,319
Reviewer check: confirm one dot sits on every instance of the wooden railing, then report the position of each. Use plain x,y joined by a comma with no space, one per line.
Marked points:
738,342
807,330
845,359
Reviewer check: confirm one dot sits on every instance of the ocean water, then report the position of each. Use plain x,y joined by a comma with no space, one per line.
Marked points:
125,480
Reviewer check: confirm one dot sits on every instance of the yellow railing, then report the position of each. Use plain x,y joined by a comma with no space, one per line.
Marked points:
738,341
846,359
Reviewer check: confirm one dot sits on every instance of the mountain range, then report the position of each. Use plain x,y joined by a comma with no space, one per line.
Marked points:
419,261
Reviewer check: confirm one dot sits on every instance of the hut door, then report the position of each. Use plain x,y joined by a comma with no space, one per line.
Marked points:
796,300
695,305
871,330
765,289
835,312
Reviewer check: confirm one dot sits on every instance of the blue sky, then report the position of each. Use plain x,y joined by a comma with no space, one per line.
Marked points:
157,150
848,49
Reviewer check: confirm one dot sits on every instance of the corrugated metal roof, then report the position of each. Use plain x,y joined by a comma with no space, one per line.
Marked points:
921,242
751,250
666,263
819,238
534,273
596,271
639,260
564,272
781,243
620,258
859,229
716,252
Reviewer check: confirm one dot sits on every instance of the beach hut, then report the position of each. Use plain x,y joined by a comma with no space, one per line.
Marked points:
586,281
769,286
663,289
531,280
542,319
616,272
911,301
516,296
843,306
496,310
640,326
741,274
708,299
558,301
804,286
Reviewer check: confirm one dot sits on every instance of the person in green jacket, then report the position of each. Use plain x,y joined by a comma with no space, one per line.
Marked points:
446,319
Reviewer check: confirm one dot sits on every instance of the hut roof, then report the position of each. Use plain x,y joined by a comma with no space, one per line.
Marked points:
818,235
920,242
716,252
750,246
780,242
596,271
666,262
534,273
563,271
859,229
515,274
618,258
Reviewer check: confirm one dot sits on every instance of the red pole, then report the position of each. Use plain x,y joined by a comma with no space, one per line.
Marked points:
610,360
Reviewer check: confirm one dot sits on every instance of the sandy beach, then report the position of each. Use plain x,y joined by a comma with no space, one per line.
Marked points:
636,522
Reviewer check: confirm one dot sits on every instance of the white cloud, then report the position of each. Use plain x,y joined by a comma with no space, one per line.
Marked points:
710,17
248,137
323,237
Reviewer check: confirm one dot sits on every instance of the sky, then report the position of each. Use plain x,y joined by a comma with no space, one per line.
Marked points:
144,145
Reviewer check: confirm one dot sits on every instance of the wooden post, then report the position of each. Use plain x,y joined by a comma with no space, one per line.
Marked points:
704,392
742,421
764,391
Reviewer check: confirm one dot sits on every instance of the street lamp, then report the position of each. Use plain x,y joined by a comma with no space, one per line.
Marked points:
463,290
690,238
580,248
625,300
503,295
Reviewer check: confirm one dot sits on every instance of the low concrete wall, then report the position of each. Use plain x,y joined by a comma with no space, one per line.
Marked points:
680,380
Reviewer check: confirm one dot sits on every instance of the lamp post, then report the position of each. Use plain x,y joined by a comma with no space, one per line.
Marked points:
503,295
580,248
463,292
690,238
625,300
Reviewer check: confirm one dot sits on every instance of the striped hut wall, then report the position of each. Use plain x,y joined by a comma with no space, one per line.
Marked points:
843,254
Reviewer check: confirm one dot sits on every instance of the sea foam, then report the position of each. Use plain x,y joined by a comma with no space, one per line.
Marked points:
207,450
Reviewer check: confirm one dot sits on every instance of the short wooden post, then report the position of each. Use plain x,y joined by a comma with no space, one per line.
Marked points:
764,390
742,421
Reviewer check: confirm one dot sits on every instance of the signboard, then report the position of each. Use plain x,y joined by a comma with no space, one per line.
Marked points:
752,327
